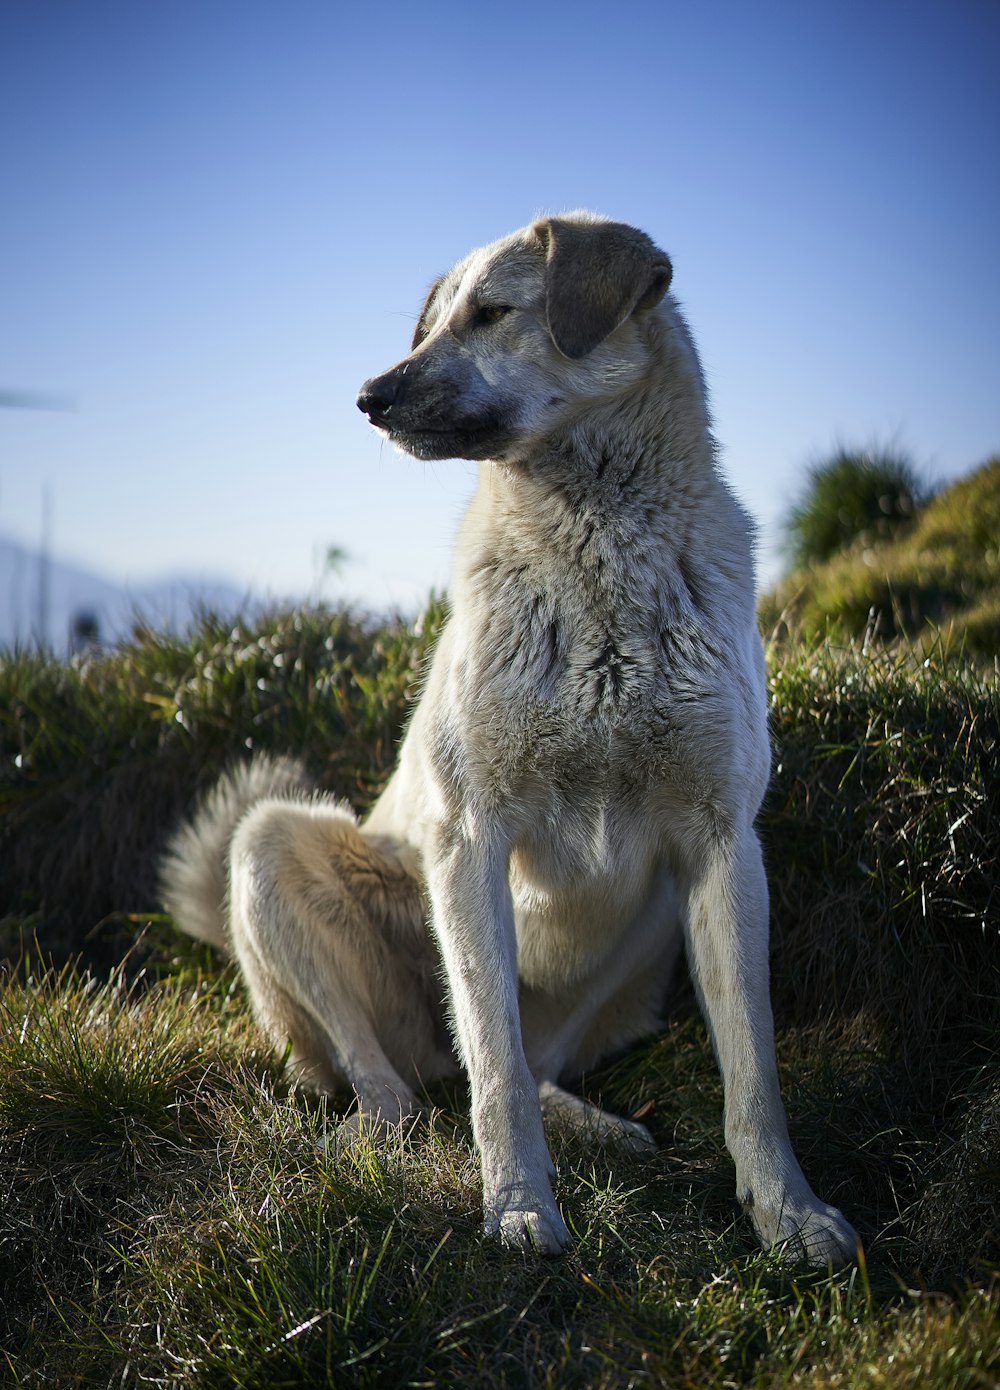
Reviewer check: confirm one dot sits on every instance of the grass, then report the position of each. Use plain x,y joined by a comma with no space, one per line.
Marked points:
937,578
166,1217
866,494
98,758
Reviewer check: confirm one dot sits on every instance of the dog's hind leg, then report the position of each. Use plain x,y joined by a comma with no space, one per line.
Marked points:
328,928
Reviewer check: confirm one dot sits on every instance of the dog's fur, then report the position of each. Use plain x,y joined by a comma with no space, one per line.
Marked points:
576,793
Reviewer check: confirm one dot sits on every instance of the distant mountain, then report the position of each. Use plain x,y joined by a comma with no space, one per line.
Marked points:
70,601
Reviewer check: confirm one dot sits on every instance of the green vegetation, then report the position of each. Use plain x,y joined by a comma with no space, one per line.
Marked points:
99,757
935,578
166,1216
855,495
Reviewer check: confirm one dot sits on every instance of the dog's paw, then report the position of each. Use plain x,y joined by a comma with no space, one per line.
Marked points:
347,1135
523,1215
809,1232
358,1128
539,1228
626,1134
612,1132
825,1237
364,1127
591,1122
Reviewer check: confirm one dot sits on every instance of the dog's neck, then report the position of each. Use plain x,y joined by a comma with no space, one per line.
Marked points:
649,445
618,490
611,469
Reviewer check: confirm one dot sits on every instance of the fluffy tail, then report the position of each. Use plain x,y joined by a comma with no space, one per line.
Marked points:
194,870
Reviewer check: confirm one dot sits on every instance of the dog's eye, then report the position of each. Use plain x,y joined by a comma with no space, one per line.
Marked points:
492,313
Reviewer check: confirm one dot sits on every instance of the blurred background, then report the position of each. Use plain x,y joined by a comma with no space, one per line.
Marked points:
217,220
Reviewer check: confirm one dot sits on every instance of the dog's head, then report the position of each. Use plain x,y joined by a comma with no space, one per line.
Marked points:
520,336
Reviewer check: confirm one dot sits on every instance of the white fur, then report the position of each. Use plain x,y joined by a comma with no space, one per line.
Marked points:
576,793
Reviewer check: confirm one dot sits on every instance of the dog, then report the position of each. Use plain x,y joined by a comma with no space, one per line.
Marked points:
575,795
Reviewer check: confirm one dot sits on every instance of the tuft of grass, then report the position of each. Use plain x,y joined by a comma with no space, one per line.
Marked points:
168,1214
937,580
855,495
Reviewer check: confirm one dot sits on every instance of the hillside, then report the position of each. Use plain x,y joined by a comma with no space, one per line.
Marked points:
168,1217
940,575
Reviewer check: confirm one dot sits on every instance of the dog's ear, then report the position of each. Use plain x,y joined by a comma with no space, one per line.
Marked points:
596,275
420,332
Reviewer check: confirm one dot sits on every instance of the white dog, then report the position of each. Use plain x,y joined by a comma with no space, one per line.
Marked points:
576,792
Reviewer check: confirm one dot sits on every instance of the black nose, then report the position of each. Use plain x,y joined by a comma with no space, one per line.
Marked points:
378,395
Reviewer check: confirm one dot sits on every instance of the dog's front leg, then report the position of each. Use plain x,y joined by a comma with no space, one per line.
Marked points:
474,922
728,948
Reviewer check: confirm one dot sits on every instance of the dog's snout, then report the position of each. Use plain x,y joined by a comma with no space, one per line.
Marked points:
379,395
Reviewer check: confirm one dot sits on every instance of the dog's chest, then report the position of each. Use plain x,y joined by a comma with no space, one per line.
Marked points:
597,690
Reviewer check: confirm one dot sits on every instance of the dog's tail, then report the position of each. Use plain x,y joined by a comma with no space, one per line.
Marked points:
194,869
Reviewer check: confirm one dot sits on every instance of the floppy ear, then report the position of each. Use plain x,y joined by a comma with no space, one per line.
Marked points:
420,332
596,275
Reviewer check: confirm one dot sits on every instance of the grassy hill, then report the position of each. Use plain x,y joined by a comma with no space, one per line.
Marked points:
166,1217
939,577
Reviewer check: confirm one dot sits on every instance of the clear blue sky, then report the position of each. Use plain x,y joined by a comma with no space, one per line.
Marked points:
220,216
